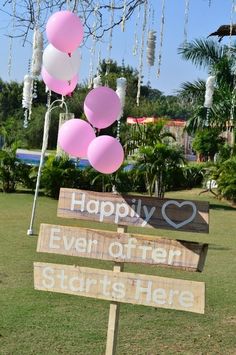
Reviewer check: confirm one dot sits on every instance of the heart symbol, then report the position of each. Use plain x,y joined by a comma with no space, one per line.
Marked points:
178,204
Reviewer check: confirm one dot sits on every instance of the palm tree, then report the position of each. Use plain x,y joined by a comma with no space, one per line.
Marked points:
156,163
220,62
140,135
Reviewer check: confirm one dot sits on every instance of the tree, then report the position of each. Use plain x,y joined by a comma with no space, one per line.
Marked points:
10,100
207,143
157,163
227,179
153,157
219,61
9,168
28,14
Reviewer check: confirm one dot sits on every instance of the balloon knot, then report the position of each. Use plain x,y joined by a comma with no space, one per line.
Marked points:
69,54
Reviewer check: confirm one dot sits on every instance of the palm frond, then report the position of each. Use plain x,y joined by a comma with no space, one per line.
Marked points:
194,90
202,53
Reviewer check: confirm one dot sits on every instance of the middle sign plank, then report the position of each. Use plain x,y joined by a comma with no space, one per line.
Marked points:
121,247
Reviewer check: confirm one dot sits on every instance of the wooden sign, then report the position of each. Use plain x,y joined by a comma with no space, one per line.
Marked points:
121,286
181,215
121,247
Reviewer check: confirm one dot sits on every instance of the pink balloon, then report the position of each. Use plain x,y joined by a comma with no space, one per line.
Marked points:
102,107
64,31
62,87
105,154
74,137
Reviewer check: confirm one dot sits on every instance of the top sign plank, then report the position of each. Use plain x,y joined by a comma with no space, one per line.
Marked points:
139,211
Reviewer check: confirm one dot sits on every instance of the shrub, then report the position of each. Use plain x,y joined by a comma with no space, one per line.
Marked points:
227,179
185,176
10,168
59,172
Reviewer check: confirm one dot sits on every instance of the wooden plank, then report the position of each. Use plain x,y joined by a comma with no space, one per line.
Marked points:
122,287
140,211
121,247
114,312
113,321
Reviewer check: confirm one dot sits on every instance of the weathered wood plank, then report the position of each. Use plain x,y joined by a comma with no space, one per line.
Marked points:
137,211
122,287
113,321
121,247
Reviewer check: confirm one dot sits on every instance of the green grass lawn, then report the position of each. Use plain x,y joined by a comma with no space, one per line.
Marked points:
36,322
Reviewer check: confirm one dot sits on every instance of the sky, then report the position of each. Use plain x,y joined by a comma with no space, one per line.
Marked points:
204,17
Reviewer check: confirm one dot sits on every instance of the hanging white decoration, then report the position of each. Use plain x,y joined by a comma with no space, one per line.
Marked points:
210,86
141,53
109,48
186,15
161,38
11,37
36,62
27,91
97,81
37,53
111,29
135,47
123,16
93,48
27,98
37,39
121,85
151,46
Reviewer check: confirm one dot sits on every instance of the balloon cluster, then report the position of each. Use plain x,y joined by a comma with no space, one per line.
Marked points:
102,105
76,137
61,58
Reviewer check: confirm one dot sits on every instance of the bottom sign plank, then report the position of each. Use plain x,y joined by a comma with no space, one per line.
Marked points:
123,287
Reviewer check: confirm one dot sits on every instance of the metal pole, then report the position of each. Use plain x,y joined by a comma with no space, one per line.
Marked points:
44,147
30,231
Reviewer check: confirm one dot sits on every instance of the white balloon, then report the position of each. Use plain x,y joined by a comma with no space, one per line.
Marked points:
60,65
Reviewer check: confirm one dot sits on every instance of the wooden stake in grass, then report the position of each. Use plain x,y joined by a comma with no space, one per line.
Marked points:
114,314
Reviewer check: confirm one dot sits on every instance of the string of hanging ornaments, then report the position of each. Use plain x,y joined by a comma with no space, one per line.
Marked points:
11,38
142,52
109,48
186,17
123,16
161,38
151,44
30,80
97,80
135,46
121,85
93,48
